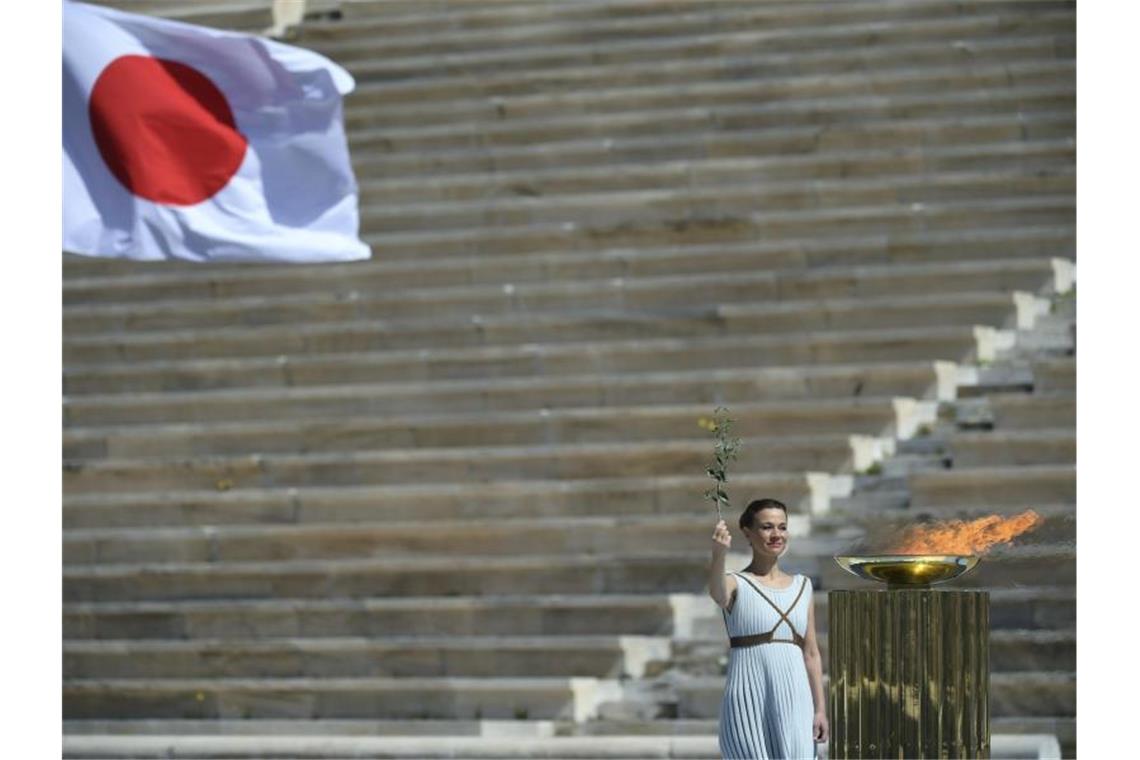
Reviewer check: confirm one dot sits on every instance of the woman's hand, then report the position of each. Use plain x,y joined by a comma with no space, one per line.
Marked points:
819,728
722,539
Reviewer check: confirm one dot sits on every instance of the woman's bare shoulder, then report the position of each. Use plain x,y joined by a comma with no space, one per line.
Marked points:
730,587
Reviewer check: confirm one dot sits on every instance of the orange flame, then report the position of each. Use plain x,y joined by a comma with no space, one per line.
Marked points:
965,537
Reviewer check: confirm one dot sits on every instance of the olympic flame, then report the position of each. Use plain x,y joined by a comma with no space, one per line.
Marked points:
965,536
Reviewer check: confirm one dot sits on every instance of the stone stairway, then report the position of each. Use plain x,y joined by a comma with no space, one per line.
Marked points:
447,502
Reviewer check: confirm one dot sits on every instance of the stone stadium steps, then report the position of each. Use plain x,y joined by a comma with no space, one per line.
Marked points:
1053,375
512,324
1044,115
542,614
377,727
251,16
601,573
756,53
1022,412
500,698
1039,87
804,493
698,174
834,452
659,206
740,25
558,537
112,396
441,576
682,616
591,656
156,290
641,742
540,95
890,219
1024,447
532,98
511,321
539,427
790,292
862,347
999,486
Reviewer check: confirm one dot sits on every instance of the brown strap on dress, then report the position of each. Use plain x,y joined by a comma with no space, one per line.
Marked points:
767,638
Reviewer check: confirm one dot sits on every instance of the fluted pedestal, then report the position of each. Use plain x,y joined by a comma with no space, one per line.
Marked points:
909,674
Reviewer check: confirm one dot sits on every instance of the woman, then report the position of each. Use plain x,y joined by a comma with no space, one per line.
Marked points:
773,704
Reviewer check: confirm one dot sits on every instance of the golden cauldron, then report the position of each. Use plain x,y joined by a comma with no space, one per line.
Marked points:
909,664
908,570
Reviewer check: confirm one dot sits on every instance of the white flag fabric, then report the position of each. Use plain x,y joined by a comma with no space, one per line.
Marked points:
184,142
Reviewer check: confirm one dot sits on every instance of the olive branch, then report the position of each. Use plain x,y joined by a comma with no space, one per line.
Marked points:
724,450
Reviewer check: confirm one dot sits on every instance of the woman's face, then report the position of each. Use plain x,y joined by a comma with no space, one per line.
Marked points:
770,532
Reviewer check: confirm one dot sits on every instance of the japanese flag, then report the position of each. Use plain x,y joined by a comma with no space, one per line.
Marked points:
183,142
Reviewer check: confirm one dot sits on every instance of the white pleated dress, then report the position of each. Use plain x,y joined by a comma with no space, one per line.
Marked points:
767,709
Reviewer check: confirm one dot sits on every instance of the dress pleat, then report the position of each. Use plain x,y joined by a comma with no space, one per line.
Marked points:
767,709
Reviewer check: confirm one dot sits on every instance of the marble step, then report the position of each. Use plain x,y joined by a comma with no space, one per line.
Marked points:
1016,411
641,744
718,52
502,96
114,283
804,493
683,616
410,657
1033,411
941,216
542,614
1054,375
569,536
674,572
510,326
1028,115
534,26
250,16
1022,447
603,357
1002,299
457,575
645,206
702,173
487,657
862,415
357,727
998,486
308,698
790,291
823,452
986,89
253,390
1002,746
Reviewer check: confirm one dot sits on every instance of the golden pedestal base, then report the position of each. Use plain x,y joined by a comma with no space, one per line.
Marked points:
909,674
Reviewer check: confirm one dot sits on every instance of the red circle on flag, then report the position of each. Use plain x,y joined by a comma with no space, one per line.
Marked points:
164,129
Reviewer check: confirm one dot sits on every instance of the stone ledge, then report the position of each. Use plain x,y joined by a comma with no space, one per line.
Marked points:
803,493
490,313
166,437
